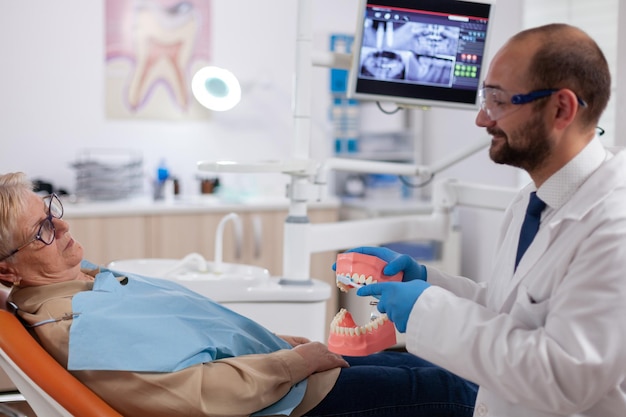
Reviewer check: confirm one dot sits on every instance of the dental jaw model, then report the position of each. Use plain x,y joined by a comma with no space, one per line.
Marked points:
346,337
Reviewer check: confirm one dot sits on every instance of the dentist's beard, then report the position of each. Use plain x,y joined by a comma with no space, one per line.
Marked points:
527,147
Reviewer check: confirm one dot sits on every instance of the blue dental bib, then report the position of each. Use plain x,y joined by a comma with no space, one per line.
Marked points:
153,325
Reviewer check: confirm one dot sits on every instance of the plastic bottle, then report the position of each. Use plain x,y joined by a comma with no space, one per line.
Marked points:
163,172
162,178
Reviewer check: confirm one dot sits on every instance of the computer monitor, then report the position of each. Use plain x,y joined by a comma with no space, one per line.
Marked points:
422,53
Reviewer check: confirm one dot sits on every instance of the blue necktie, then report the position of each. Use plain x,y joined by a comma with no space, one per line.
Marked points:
530,225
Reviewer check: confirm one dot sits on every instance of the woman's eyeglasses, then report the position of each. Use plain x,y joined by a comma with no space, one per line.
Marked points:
46,231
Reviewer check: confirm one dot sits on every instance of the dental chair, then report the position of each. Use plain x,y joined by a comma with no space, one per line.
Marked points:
49,389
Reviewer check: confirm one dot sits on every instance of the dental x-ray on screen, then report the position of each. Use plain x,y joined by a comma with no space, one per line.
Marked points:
420,52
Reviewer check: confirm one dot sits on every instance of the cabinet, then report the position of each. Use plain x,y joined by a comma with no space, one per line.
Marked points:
107,238
260,243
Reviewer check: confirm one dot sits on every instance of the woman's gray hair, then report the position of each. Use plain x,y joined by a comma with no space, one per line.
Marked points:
14,188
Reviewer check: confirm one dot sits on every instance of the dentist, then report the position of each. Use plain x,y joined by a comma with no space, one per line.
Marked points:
545,335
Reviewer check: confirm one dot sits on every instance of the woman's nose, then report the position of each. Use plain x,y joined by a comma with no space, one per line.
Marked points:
60,225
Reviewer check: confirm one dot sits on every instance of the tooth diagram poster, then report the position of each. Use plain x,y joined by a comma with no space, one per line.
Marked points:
153,48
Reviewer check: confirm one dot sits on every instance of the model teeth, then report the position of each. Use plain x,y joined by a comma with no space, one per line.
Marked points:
335,326
360,279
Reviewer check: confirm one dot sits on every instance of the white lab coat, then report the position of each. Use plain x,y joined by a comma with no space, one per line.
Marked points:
549,339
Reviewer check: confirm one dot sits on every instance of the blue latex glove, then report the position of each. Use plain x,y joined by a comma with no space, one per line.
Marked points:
396,299
396,262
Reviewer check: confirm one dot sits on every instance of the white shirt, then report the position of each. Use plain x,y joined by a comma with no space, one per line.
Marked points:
564,183
548,339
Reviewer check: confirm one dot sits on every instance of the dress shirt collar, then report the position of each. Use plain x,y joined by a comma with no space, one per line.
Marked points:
564,183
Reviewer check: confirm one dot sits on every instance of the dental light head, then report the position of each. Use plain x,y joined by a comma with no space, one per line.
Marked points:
216,88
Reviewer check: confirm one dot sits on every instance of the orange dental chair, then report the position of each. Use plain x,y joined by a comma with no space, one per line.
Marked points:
49,389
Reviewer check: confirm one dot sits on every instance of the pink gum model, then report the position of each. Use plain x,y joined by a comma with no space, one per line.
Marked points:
346,337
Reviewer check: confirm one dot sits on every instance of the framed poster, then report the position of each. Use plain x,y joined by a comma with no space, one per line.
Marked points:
153,48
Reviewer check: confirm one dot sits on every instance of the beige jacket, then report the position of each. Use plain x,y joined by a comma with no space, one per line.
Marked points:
227,387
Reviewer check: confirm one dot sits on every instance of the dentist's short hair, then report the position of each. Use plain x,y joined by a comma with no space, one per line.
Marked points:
569,58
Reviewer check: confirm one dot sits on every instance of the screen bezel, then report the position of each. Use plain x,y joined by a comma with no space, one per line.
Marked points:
417,95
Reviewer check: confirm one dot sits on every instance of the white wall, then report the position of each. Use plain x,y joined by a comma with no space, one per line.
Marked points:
600,20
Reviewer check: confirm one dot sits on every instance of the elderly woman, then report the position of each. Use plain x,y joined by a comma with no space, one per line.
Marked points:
150,347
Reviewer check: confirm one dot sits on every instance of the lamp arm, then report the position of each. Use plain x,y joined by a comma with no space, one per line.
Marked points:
378,167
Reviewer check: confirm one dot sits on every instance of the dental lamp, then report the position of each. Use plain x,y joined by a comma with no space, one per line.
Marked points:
216,88
308,179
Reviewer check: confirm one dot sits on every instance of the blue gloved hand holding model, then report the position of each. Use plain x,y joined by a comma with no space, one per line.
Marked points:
396,262
396,299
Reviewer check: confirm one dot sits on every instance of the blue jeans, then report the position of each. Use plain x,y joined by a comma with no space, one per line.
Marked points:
397,384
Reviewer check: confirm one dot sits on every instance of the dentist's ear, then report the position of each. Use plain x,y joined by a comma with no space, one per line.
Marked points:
567,108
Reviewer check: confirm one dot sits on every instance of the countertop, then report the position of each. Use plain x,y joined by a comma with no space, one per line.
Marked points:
191,204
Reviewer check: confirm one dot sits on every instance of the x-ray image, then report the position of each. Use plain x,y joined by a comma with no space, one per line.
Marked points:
411,51
430,70
378,34
383,65
435,40
434,50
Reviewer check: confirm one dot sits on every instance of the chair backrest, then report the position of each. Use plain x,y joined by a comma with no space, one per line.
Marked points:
49,388
6,385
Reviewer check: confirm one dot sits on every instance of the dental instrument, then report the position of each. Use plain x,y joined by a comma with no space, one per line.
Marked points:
347,281
343,279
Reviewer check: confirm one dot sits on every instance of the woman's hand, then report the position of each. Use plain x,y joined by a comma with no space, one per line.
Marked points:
318,358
